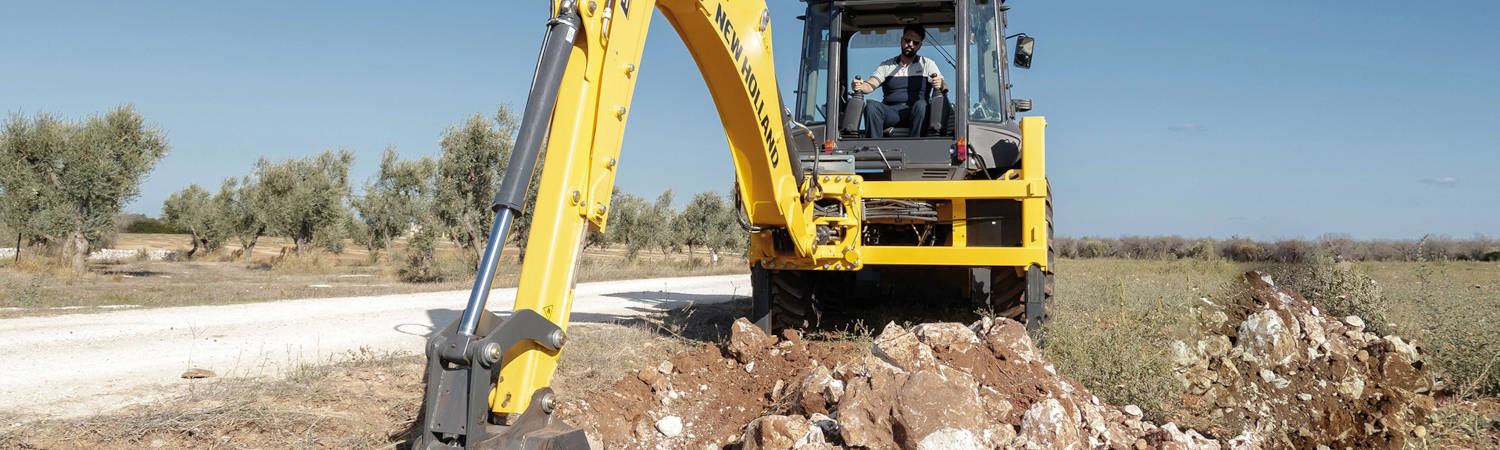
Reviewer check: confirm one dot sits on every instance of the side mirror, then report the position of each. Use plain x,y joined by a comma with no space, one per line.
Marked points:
1024,46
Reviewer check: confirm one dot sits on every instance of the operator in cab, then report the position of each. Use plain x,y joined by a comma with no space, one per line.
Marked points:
903,81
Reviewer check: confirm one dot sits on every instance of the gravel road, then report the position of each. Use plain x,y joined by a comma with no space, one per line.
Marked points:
79,364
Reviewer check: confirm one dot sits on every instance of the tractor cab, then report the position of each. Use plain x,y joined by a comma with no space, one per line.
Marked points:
943,113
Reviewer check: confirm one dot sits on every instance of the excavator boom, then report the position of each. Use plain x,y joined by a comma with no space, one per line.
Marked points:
579,104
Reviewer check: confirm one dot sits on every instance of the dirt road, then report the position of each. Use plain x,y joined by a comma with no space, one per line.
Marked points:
71,365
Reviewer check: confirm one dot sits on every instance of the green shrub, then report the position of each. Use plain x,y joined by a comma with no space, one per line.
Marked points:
149,225
1491,255
1094,249
1243,250
1337,289
418,265
311,261
1203,249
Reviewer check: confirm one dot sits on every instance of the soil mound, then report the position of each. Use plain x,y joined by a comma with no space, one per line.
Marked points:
1284,370
939,385
1275,373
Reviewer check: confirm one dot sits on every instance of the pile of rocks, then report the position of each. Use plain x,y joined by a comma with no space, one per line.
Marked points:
1301,378
940,385
1276,373
947,386
114,254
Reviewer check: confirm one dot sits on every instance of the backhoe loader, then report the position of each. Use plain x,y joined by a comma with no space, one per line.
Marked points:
947,200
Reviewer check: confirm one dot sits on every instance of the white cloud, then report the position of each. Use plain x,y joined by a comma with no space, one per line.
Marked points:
1186,127
1441,181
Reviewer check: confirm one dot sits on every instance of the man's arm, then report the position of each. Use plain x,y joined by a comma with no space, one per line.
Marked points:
868,85
934,76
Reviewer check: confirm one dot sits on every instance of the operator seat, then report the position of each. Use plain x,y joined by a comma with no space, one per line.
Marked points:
940,116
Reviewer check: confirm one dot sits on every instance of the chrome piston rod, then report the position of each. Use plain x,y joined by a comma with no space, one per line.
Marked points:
511,197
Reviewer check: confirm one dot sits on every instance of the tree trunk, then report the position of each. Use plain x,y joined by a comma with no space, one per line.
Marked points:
193,250
388,255
301,238
78,248
249,247
476,240
18,246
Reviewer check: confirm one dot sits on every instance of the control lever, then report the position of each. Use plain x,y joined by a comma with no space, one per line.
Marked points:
849,122
937,109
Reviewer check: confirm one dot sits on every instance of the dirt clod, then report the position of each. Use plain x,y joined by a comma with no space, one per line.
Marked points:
196,373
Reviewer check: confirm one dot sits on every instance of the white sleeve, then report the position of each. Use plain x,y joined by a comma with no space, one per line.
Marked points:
929,67
881,72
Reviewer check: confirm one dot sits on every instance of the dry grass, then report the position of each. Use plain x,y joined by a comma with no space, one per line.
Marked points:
1466,425
1115,318
354,402
37,283
1450,309
359,400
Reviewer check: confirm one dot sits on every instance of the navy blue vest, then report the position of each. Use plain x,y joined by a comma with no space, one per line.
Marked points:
904,89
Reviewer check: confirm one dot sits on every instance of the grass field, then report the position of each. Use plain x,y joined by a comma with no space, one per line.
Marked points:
35,286
1115,320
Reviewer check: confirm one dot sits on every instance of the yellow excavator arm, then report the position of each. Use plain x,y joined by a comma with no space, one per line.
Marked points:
579,104
731,42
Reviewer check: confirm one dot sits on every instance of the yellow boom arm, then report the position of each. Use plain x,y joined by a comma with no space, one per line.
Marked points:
731,43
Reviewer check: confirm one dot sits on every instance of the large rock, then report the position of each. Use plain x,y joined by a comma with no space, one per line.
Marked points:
817,392
902,348
1172,438
942,336
1008,340
937,401
747,340
783,432
1267,340
865,414
1051,424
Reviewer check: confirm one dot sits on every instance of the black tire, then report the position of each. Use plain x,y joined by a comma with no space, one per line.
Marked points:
791,300
1009,289
794,299
781,299
1008,293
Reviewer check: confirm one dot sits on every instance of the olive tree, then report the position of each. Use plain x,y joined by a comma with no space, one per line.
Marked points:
521,227
625,225
658,224
474,157
192,209
238,214
703,222
73,178
396,199
304,199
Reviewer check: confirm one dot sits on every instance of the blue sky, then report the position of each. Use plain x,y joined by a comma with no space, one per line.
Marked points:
1268,119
